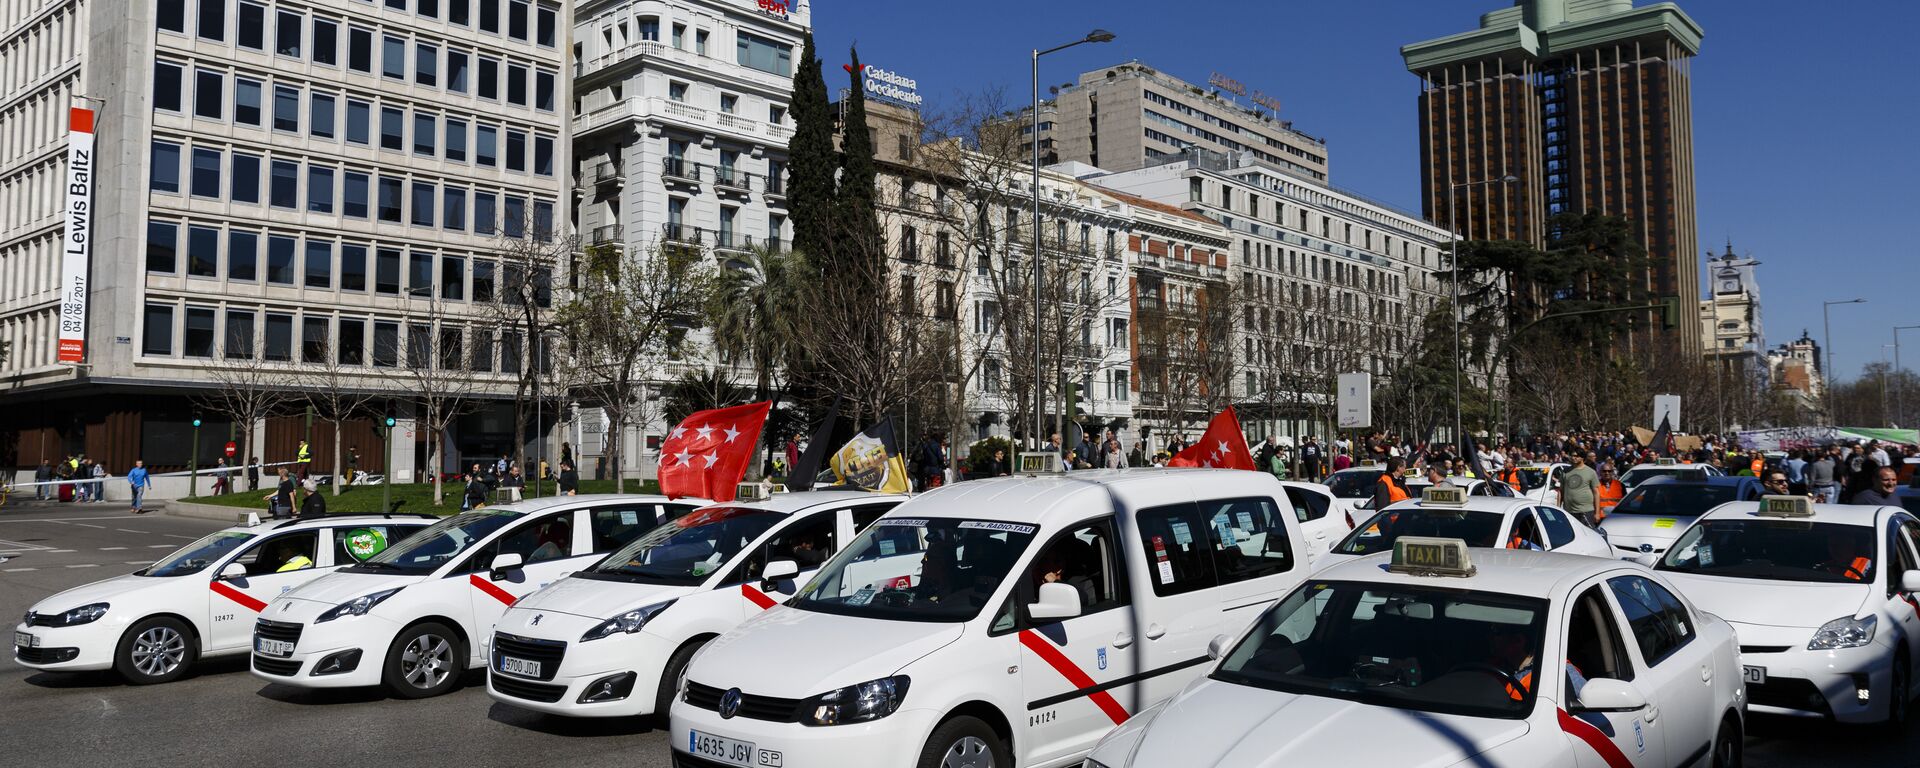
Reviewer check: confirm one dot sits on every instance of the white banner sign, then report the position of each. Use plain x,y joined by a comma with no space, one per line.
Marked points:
77,244
1356,400
1668,407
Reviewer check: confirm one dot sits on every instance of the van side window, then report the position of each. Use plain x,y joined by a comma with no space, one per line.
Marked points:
286,552
808,543
614,526
1086,558
864,516
1307,505
1179,556
1249,538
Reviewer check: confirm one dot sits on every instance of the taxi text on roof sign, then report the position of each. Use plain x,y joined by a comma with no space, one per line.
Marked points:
1786,506
1040,463
1665,461
1429,556
1444,494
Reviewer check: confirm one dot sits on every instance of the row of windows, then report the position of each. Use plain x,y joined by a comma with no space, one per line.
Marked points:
324,263
524,22
31,195
28,54
750,50
352,193
207,333
1229,126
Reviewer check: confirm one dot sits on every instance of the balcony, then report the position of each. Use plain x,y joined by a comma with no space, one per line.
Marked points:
678,169
607,173
776,186
727,240
727,178
680,234
608,234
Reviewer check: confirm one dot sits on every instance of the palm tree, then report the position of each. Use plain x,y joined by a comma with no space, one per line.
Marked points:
755,316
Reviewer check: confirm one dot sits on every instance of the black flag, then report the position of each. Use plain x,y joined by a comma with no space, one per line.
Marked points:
1663,439
800,476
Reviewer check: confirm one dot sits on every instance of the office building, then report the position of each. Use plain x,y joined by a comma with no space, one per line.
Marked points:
318,191
1588,103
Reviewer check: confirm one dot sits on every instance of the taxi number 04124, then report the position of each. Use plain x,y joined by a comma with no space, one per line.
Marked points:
721,748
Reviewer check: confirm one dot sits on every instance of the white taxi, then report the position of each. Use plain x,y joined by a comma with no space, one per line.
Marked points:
584,645
1640,473
1322,520
1540,481
152,625
414,617
997,622
1446,511
1440,655
1822,597
1652,515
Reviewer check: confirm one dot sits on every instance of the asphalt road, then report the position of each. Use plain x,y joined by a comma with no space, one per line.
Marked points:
223,715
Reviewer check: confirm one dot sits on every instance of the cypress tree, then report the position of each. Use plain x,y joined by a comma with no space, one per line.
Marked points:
810,160
859,236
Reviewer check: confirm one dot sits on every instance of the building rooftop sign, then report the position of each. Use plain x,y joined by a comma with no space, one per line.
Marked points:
1238,88
888,85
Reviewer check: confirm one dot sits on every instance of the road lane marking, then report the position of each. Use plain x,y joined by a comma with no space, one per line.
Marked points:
128,530
159,546
178,536
58,551
111,549
139,562
17,570
84,525
84,565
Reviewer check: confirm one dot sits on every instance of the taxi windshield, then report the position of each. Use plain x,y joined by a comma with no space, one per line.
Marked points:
195,557
437,543
1477,529
1433,649
1775,550
1674,499
1639,475
1356,484
1532,477
684,551
917,569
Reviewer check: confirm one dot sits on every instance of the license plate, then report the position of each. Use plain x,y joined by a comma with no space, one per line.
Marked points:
1754,675
720,748
521,667
26,640
267,647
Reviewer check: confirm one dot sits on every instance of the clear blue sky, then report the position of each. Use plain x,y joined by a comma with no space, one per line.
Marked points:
1805,114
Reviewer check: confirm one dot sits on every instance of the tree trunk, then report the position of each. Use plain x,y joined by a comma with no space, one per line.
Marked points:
616,448
433,464
338,479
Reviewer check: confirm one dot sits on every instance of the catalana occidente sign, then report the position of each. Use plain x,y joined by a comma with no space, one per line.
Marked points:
888,84
77,244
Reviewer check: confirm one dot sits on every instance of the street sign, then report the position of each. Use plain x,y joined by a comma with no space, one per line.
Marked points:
1356,400
1668,407
231,448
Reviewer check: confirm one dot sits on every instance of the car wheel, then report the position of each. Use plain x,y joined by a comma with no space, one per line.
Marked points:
1728,746
157,650
1897,702
425,660
964,742
670,678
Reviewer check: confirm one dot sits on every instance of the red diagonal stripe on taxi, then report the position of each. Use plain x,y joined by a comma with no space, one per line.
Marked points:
757,597
1585,731
505,597
1078,679
245,600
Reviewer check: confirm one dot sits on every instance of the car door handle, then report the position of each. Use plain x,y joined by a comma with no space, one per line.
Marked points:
1123,640
1155,631
1706,674
1653,713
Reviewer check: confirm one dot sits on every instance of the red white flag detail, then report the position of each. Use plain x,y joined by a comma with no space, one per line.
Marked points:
708,454
1223,446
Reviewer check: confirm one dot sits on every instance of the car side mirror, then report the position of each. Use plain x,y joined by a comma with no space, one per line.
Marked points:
1605,694
236,571
1057,601
1910,581
504,564
1649,559
1217,648
779,570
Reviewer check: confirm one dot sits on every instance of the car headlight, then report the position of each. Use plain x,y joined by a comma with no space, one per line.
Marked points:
629,622
82,615
870,700
1843,632
357,606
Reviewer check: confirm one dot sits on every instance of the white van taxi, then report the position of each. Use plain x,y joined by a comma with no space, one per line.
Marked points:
1540,481
152,625
997,622
1822,596
1640,473
1322,521
413,618
1439,655
1445,511
585,644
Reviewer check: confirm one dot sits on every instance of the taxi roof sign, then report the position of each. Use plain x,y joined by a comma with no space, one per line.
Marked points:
760,491
1444,494
1786,506
1040,463
1665,461
1430,556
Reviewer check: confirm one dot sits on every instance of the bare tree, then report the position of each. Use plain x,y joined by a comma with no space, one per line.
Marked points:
522,310
630,312
431,353
246,388
338,394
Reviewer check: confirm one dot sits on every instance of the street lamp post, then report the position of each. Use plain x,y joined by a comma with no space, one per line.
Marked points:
1885,418
1826,333
1900,384
1033,136
1453,269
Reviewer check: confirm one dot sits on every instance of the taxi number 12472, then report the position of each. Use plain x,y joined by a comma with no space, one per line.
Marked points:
721,748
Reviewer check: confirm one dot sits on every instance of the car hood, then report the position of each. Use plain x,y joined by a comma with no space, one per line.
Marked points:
598,599
109,591
1634,530
1763,603
758,656
338,587
1270,729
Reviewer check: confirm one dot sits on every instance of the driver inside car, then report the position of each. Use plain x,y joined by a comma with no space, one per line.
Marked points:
1843,560
1507,650
290,558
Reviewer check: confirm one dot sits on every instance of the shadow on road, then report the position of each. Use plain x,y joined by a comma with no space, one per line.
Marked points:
1803,742
571,727
322,697
225,665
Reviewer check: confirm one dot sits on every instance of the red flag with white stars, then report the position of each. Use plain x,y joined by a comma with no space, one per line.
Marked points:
708,454
1223,446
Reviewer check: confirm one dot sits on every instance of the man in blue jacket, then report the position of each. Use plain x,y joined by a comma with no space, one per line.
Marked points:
137,477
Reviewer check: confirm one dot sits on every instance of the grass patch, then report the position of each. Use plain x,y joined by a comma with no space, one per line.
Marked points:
418,496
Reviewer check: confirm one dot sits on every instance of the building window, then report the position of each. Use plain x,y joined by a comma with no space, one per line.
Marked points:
353,267
420,275
157,338
426,64
386,345
360,50
680,36
543,156
453,209
453,278
650,29
353,342
359,122
516,151
700,42
171,15
279,337
486,139
319,189
243,255
490,16
280,259
319,271
516,85
313,340
356,187
482,281
162,247
489,85
419,345
246,101
543,91
456,148
393,128
457,11
729,103
320,115
165,162
286,34
166,86
427,8
206,172
393,57
250,29
209,96
450,348
239,341
764,54
546,21
484,216
424,132
677,91
286,108
386,271
198,339
424,197
456,71
283,184
326,42
513,218
517,11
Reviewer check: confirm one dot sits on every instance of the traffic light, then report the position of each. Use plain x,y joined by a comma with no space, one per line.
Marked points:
196,422
1669,312
388,410
1077,397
